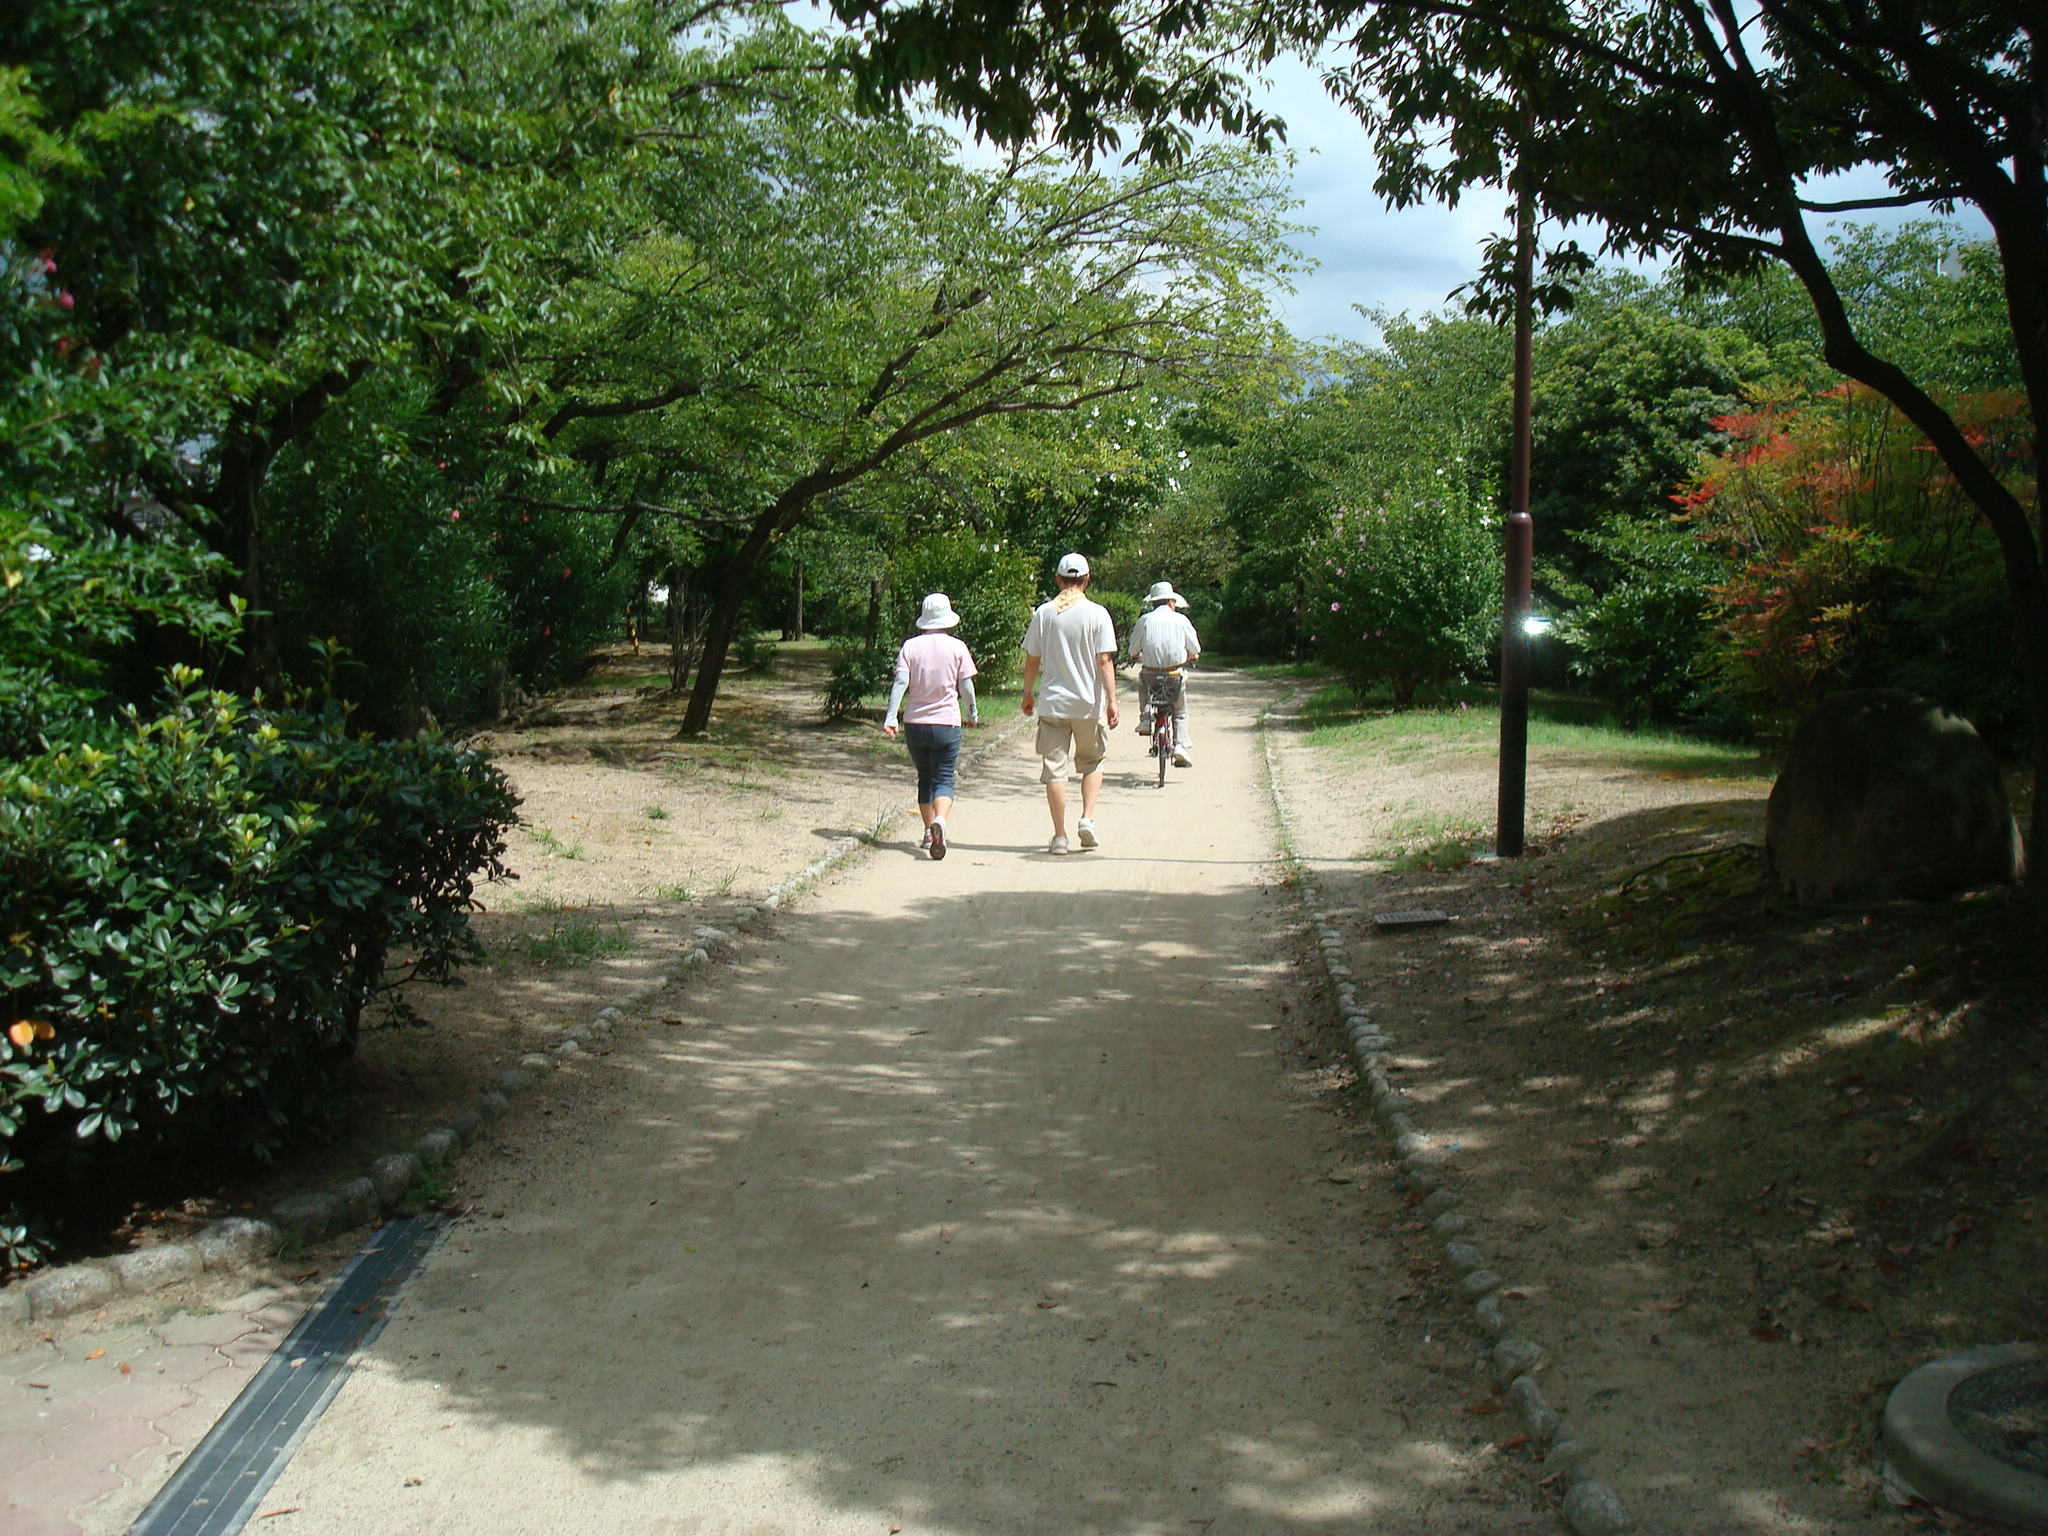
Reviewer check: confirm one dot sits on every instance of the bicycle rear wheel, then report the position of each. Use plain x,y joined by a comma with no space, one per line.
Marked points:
1162,744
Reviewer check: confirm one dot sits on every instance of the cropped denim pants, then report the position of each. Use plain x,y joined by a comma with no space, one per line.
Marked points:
935,753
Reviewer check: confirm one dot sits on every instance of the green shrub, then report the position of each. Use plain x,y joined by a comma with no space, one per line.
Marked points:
1643,641
753,650
858,673
991,585
196,908
1404,593
421,556
1123,613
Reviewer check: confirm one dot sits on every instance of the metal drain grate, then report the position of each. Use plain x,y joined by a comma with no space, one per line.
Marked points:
215,1492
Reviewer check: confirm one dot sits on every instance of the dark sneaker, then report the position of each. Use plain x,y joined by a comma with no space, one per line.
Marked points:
937,841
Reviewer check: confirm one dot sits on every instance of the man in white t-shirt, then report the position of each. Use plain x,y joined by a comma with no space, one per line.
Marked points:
1071,644
1164,645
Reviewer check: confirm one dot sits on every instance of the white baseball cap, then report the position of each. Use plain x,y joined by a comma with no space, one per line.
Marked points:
938,613
1073,565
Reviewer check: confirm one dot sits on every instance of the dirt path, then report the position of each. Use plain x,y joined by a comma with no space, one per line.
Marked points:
987,1196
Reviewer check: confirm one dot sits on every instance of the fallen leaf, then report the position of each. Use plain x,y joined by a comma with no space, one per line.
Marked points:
1048,1303
1512,1443
124,1369
43,1384
95,1354
1491,1405
414,1482
1667,1306
1516,1294
1886,1266
272,1514
1768,1335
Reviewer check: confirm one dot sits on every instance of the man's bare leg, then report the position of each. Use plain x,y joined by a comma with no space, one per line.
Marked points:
1056,802
1091,786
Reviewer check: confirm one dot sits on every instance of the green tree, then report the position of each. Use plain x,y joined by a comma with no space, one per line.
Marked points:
859,302
1404,590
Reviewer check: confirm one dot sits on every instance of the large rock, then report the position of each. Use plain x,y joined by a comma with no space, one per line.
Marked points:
1885,795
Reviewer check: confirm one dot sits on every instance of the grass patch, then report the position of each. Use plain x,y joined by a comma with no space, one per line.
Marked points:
1252,666
1434,843
1468,721
656,813
675,893
552,844
996,704
571,941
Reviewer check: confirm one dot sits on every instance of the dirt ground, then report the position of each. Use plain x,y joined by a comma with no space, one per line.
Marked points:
1746,1163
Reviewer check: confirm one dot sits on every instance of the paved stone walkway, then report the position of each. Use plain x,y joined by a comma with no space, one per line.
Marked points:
94,1413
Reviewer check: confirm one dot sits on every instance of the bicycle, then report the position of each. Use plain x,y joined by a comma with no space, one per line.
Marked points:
1161,705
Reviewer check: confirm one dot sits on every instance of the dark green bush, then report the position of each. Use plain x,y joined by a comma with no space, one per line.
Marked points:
1123,613
430,564
1405,593
859,672
991,586
195,909
1642,642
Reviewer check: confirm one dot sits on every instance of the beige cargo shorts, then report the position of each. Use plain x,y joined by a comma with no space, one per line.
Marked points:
1070,746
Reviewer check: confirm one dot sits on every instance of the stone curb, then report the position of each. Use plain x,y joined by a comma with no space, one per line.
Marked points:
240,1241
1590,1508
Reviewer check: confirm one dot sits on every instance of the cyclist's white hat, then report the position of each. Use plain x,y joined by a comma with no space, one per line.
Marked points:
1162,592
1073,565
938,613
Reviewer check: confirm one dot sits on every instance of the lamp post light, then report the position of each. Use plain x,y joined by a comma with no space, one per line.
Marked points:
1511,813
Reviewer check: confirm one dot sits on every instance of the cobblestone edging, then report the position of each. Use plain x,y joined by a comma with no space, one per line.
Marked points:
238,1242
1591,1508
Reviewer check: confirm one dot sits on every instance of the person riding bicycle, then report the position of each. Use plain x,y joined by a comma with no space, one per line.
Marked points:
1164,645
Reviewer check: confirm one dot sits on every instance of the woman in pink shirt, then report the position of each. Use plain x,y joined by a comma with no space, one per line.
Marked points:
934,682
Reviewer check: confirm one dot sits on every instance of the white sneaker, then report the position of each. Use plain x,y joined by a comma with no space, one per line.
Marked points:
1087,831
1057,845
1181,758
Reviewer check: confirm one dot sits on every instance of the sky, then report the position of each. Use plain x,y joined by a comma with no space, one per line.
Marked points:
1368,256
1407,260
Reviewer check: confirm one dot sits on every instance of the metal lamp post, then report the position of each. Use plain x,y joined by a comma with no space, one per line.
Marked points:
1521,547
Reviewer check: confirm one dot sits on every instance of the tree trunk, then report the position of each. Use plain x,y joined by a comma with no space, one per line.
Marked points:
719,627
678,657
799,598
874,625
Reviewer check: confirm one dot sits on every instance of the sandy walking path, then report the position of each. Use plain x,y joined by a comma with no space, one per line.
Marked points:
984,1197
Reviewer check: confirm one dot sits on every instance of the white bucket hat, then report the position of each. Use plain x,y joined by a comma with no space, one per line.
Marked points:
1162,592
938,613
